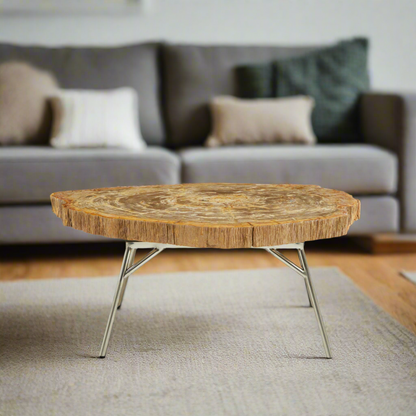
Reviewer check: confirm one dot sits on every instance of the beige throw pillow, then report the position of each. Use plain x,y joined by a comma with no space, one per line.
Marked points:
25,114
277,120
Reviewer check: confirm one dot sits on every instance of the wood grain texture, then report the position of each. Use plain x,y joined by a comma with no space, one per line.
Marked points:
210,215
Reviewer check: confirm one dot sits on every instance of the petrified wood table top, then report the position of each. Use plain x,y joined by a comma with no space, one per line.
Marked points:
213,215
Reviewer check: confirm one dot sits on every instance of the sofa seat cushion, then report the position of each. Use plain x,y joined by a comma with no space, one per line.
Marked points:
32,173
359,169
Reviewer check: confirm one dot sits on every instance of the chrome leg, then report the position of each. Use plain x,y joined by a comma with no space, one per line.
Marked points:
132,268
126,270
312,298
126,279
304,272
305,280
292,265
126,261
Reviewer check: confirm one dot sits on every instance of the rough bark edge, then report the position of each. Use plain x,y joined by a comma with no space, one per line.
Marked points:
204,236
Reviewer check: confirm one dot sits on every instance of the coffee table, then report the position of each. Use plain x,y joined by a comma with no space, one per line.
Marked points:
221,216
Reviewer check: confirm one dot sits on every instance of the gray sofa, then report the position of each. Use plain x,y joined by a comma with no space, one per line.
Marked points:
175,83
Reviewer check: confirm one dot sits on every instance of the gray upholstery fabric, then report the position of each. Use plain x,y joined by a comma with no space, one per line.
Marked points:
389,120
360,169
26,224
194,74
32,173
103,68
379,214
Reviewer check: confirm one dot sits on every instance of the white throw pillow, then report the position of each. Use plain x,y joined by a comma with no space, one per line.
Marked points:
269,120
91,118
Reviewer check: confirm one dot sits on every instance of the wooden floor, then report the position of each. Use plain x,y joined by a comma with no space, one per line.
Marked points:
378,275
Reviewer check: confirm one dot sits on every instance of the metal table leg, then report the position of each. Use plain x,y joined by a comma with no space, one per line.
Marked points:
126,270
305,273
314,302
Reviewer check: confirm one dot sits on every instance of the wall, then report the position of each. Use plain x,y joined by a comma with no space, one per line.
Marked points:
390,24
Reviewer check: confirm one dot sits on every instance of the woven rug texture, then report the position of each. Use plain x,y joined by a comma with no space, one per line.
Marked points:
239,342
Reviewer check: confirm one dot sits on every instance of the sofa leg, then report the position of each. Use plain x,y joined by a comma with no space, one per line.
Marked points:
387,243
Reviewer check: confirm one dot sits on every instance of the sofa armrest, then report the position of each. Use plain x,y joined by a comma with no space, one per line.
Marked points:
389,121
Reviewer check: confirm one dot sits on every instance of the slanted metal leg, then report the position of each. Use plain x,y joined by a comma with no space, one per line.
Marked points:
126,261
305,280
126,270
304,272
314,301
292,265
126,279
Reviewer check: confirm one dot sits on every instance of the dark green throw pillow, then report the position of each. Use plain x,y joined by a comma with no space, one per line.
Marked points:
335,77
256,81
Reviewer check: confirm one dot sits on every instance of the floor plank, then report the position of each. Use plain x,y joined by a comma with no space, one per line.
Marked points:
378,275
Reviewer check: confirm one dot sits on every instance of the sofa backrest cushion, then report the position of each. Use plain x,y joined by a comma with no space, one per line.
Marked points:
133,66
193,75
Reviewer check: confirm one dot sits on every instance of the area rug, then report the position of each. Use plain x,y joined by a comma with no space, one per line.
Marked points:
202,344
409,275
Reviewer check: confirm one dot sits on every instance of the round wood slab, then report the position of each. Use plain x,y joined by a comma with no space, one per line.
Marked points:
210,215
